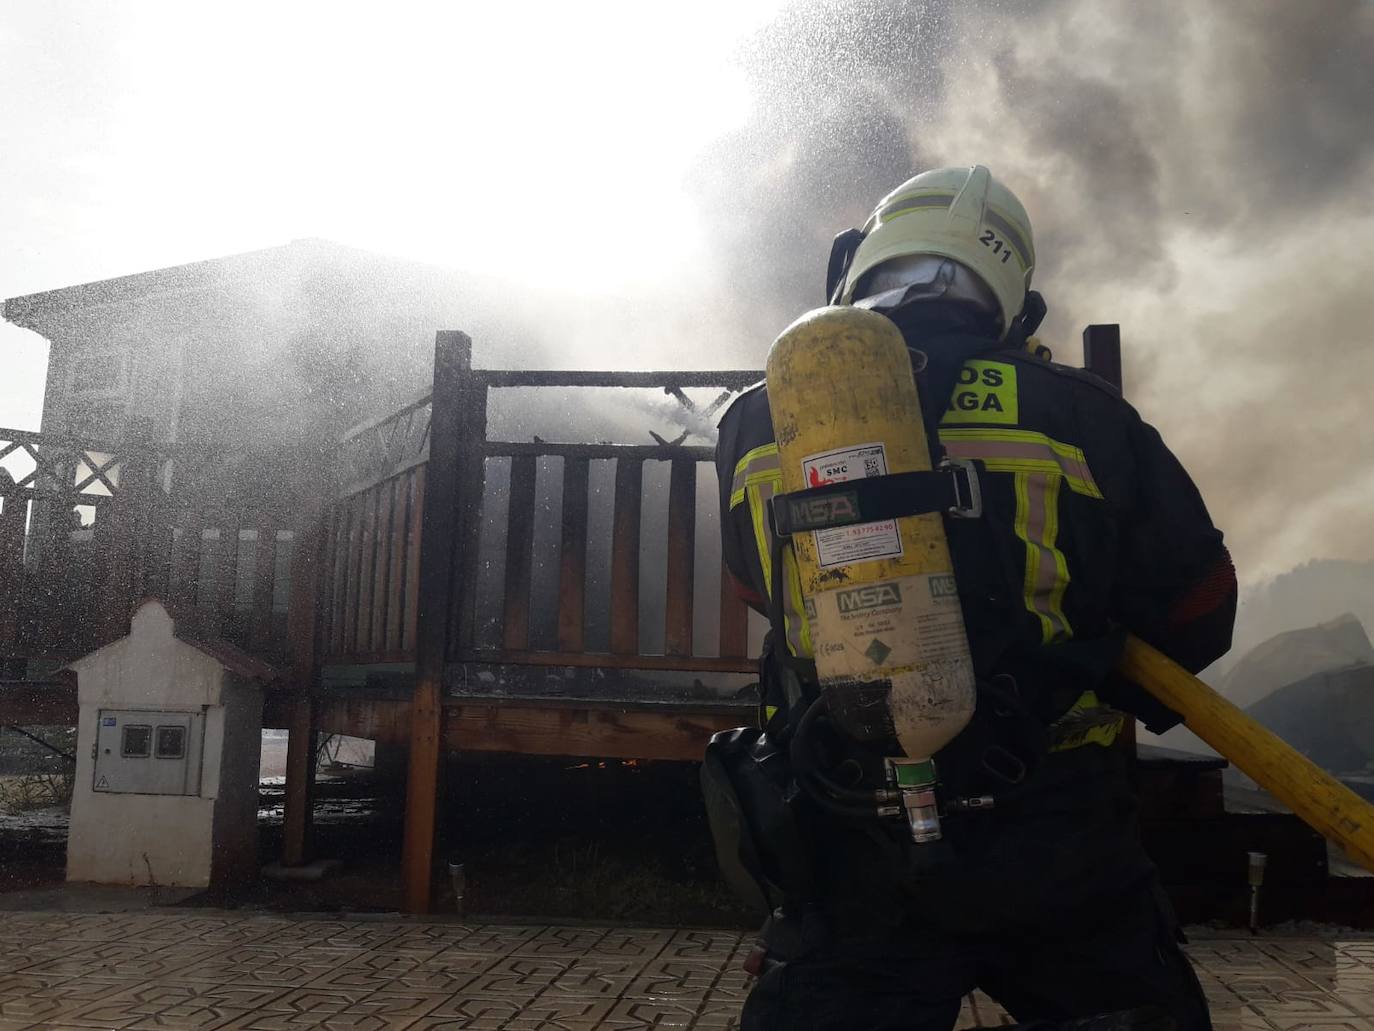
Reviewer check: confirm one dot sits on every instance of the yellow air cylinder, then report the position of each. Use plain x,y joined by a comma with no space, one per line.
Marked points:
886,625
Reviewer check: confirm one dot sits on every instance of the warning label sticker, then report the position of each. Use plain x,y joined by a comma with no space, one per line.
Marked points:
866,542
909,621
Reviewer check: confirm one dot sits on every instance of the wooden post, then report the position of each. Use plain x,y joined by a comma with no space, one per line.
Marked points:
457,427
302,625
1102,357
11,576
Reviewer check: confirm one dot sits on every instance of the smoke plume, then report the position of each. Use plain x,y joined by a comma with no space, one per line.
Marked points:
1197,172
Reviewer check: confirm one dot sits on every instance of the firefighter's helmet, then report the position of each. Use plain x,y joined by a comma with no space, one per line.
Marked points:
962,214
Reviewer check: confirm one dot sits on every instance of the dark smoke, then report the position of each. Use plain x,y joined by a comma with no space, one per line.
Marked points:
1196,172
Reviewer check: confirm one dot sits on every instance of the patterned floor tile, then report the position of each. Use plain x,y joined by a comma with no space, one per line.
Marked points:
337,1010
709,946
125,959
267,965
562,941
647,1014
498,938
429,937
521,977
595,978
624,943
199,971
218,931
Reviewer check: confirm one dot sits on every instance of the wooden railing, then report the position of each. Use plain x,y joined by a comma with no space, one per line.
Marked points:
578,601
87,530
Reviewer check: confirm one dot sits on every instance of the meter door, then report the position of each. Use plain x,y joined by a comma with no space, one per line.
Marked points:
148,753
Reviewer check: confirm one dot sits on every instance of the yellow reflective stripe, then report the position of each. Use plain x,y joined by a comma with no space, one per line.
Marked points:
1036,523
1088,722
1061,564
797,626
800,638
758,507
769,711
1021,524
1021,451
757,465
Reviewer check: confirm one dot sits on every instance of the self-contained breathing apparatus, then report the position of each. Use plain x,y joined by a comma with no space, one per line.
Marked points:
851,734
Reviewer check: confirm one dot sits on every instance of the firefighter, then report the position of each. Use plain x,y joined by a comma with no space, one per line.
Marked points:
1041,894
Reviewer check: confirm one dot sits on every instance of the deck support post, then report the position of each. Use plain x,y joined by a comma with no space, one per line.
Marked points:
453,489
303,621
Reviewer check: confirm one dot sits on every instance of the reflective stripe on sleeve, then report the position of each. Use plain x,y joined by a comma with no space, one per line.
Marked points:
1016,451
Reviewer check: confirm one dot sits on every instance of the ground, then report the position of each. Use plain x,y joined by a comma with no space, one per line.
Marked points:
162,968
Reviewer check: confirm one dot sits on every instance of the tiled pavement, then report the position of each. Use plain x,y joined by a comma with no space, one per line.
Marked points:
193,970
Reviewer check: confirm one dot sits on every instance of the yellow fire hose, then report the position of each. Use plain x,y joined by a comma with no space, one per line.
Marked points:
1318,799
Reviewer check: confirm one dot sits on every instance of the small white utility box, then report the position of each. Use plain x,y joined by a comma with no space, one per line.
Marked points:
167,759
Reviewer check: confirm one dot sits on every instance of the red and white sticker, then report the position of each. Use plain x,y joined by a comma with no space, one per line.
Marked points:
866,542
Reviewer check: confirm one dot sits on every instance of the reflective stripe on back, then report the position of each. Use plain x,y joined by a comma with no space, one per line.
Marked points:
758,476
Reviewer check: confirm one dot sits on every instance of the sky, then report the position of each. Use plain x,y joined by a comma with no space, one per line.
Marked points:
1196,171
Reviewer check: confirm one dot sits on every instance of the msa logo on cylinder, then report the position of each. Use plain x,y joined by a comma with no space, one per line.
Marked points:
943,587
819,513
873,596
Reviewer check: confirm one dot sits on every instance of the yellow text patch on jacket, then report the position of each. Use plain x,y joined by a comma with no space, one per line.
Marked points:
985,393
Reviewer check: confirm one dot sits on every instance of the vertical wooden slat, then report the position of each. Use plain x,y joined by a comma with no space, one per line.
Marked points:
11,577
395,581
414,535
352,561
222,614
468,559
734,619
629,479
386,514
186,561
515,606
338,576
572,568
129,511
329,575
264,562
682,520
367,565
457,430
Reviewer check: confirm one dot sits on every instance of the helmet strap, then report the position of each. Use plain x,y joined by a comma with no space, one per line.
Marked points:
842,251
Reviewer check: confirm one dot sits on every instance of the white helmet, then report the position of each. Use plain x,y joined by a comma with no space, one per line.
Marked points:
962,214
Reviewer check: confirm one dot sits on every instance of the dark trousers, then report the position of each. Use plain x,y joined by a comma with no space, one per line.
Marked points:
1052,909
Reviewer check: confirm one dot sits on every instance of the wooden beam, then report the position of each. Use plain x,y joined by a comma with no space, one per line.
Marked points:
1102,352
530,728
298,807
303,641
458,407
599,660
